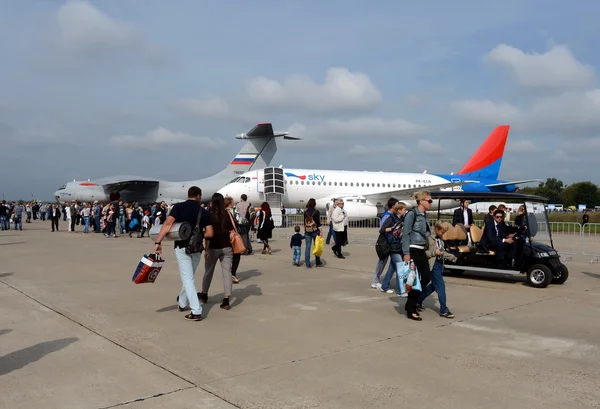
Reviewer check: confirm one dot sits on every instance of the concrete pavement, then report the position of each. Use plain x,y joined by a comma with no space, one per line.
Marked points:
77,333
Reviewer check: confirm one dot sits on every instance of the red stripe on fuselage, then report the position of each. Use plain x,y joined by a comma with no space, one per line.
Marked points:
488,153
87,184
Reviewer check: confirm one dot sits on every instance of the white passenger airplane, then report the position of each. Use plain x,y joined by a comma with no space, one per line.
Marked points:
256,153
366,193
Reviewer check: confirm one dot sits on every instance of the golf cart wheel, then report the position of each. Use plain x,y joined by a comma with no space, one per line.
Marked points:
539,276
561,275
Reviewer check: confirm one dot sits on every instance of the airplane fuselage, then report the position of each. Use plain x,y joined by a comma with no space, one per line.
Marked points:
170,192
324,185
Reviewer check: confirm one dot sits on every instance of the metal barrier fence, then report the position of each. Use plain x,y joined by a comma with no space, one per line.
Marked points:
570,238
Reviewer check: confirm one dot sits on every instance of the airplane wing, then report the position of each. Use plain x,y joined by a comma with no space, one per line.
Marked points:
515,182
383,196
119,183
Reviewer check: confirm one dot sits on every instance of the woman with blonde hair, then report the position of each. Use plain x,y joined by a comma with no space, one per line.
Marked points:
415,241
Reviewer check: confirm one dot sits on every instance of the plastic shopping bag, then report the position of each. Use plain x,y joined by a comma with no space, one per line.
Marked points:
148,269
411,279
319,245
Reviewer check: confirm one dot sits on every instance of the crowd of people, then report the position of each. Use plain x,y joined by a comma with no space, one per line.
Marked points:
407,233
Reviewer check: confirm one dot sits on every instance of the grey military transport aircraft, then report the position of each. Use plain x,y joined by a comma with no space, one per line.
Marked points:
258,152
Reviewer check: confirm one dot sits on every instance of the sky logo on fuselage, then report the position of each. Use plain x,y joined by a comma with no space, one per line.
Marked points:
316,177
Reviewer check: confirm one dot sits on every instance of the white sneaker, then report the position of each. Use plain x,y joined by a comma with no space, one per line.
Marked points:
389,291
403,295
376,286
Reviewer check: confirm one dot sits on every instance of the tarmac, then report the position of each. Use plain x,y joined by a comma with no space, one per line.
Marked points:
75,332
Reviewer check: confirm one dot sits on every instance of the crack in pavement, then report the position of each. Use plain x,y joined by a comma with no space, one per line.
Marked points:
192,384
146,398
295,361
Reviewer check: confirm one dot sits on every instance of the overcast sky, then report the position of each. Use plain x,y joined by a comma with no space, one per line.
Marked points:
393,85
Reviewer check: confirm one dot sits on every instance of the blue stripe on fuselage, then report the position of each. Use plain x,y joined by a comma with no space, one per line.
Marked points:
480,186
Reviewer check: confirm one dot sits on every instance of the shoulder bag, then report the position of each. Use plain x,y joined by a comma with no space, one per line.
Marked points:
235,239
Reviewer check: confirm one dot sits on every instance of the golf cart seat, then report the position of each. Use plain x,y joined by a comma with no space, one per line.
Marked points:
455,235
476,236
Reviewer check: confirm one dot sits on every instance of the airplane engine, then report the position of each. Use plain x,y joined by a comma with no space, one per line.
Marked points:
359,209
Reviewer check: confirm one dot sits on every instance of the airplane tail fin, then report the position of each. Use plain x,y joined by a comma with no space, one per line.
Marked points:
485,163
257,152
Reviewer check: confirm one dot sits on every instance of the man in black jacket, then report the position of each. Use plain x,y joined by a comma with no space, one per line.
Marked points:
496,238
463,215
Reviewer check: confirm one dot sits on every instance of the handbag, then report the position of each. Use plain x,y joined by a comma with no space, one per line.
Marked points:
237,244
411,275
196,244
319,245
148,269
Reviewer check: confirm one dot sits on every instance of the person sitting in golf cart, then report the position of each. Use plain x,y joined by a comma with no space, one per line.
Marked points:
497,237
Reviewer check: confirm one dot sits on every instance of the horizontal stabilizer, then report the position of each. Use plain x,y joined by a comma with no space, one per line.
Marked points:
515,182
265,130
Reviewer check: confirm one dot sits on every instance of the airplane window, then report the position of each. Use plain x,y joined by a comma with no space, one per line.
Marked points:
329,183
334,183
313,182
351,184
247,180
234,180
346,184
362,184
302,182
404,185
378,185
63,187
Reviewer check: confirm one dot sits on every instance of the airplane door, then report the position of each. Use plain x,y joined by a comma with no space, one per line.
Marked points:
456,188
260,181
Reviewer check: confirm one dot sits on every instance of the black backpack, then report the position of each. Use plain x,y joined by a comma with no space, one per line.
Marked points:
196,243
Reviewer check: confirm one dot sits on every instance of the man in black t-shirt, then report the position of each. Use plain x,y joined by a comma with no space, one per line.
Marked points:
187,212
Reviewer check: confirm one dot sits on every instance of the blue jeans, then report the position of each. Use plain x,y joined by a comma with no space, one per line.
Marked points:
309,238
296,255
400,284
330,234
19,223
379,269
86,222
188,263
4,223
121,224
437,284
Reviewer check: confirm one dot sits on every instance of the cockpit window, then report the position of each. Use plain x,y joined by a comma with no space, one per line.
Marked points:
234,180
62,187
247,180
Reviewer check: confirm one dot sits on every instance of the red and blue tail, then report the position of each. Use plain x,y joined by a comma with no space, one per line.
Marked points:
485,163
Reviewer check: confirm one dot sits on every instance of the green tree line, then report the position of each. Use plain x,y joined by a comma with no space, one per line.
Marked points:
556,191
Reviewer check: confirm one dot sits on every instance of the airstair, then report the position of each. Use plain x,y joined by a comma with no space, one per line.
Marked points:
274,189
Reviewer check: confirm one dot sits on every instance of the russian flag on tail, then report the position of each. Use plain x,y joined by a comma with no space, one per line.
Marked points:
244,159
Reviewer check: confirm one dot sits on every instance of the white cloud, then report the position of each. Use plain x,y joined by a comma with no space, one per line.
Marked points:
485,112
521,146
342,91
215,108
161,137
556,68
575,112
393,149
569,110
367,128
430,147
83,28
